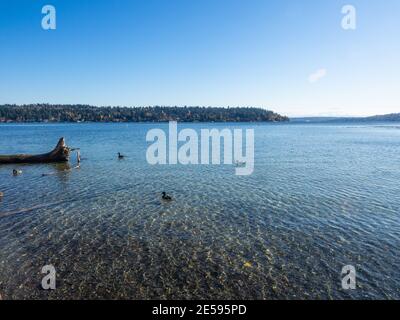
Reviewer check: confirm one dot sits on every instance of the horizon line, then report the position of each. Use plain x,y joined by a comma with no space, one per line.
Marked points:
282,113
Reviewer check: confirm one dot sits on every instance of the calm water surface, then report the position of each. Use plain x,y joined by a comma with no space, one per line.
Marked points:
321,197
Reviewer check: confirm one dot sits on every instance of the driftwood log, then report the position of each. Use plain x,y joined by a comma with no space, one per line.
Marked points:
61,153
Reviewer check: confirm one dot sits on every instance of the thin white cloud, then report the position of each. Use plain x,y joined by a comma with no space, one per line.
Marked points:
317,75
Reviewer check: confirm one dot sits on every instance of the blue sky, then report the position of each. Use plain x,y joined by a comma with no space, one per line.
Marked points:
204,52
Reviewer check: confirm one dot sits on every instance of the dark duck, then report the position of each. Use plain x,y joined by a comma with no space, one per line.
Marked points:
120,156
166,197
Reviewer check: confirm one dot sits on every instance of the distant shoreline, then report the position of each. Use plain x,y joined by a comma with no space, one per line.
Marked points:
46,113
53,114
395,117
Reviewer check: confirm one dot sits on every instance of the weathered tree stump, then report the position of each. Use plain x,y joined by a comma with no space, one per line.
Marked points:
60,153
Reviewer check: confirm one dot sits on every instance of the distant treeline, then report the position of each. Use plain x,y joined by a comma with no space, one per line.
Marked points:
395,117
83,113
386,117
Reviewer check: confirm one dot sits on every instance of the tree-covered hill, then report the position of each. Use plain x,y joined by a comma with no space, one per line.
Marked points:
385,117
395,117
83,113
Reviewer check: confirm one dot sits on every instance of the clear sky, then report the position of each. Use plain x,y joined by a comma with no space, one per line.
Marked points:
291,56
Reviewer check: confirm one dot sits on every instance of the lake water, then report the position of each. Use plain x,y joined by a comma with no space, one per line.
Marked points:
321,197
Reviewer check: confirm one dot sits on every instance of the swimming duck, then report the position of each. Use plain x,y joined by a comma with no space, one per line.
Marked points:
1,195
120,156
17,172
166,197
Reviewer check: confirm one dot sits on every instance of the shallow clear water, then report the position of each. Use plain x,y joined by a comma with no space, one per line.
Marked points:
321,197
